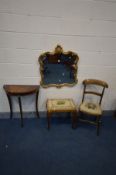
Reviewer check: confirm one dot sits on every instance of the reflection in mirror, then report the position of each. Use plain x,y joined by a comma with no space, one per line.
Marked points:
58,68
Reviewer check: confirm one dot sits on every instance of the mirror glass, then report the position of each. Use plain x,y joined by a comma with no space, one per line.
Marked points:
58,68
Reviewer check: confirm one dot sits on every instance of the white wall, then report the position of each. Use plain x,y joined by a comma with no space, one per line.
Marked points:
29,27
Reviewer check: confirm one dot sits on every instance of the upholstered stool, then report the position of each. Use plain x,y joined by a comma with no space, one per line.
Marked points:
61,105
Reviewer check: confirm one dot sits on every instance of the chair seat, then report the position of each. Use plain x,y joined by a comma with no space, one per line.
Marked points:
91,108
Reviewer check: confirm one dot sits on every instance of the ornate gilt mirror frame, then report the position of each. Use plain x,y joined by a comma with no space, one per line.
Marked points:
58,68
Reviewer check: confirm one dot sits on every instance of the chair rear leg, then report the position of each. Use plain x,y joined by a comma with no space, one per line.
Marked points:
98,124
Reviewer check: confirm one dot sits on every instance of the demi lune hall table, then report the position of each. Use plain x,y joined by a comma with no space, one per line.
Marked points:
19,91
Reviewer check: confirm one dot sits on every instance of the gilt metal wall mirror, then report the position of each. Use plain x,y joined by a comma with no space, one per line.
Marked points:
58,68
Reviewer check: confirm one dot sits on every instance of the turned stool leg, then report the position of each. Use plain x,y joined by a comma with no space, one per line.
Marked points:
48,119
74,119
20,106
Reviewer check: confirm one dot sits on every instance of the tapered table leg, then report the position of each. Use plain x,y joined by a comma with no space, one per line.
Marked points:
10,104
20,106
37,112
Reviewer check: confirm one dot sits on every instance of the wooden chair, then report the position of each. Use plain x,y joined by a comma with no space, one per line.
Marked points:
89,107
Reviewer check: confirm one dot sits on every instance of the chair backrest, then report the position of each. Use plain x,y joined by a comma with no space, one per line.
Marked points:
94,82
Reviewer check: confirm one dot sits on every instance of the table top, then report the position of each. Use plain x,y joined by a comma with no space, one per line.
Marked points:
60,105
20,89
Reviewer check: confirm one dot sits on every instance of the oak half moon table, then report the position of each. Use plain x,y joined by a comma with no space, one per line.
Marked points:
19,91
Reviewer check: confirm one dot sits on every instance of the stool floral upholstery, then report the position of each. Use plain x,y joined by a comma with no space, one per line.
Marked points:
60,105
